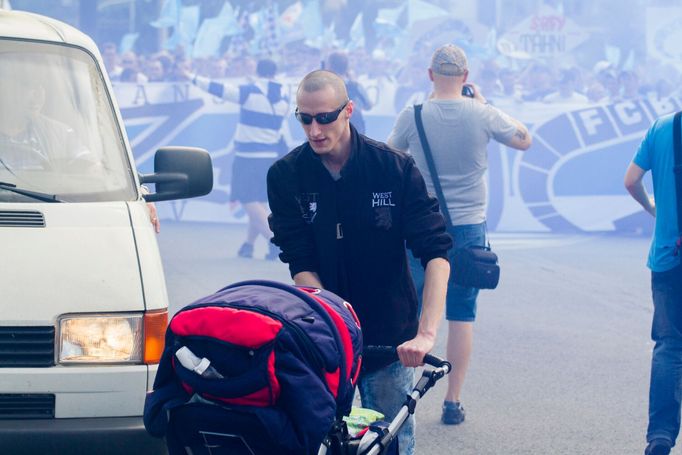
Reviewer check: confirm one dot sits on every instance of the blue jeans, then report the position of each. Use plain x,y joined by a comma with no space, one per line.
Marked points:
460,301
386,390
665,388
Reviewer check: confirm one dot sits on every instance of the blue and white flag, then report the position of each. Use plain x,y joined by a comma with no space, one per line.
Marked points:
419,10
212,31
311,21
185,30
127,42
170,14
290,25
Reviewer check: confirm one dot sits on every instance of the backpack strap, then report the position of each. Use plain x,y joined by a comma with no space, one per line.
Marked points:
431,164
677,169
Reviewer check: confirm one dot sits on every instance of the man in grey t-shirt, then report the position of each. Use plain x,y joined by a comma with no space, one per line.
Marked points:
458,130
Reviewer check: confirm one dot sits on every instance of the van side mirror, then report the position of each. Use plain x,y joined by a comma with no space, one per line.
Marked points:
180,172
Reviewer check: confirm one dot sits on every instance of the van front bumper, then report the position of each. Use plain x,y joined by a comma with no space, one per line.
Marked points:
102,435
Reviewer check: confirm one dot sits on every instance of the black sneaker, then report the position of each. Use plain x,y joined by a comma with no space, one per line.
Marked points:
453,413
245,251
658,446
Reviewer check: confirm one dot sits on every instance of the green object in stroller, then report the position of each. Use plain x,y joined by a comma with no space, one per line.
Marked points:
380,437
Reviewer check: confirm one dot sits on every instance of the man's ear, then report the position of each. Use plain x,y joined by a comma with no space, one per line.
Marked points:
466,75
430,74
349,108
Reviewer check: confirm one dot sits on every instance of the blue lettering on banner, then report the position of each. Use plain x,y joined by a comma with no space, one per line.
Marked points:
630,117
604,139
140,94
663,106
593,125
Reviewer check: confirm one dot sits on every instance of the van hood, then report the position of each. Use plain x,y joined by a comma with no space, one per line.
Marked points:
83,259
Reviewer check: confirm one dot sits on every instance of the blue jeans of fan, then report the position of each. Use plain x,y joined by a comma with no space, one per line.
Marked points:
385,390
665,389
460,303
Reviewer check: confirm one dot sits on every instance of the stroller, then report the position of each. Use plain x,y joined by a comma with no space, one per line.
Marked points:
266,368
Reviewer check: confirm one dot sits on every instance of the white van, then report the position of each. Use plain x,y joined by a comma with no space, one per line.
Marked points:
83,302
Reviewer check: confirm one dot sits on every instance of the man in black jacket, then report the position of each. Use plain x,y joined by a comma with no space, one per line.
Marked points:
343,209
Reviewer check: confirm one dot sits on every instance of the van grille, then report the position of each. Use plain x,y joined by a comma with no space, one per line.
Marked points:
26,347
26,406
21,218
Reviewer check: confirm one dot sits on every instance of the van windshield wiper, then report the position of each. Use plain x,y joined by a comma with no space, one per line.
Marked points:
33,194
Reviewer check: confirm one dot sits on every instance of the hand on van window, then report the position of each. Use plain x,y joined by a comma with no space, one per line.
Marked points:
154,217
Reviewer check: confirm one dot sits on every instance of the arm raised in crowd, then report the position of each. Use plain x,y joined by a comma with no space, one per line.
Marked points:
225,91
521,139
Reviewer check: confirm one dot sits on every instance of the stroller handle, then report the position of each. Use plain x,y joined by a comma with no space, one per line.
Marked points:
390,353
428,379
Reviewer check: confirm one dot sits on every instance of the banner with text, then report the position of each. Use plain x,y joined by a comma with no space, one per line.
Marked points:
570,180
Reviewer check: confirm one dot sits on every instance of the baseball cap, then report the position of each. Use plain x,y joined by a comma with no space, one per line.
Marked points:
449,60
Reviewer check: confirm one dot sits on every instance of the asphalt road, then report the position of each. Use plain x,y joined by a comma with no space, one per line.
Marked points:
562,349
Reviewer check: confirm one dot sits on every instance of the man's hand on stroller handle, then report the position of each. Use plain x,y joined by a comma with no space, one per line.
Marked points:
390,353
411,353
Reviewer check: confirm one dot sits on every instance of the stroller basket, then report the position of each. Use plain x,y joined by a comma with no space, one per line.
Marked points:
211,437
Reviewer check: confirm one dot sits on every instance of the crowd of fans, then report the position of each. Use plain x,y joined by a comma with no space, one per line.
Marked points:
527,81
604,83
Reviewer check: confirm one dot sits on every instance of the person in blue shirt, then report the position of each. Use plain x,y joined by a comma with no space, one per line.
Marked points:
655,154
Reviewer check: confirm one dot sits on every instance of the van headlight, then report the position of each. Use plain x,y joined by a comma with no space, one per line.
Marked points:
116,338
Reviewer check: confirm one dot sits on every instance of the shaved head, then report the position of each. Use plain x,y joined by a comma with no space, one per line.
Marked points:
321,79
323,99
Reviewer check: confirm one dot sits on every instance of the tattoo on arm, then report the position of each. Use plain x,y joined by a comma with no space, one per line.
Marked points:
521,134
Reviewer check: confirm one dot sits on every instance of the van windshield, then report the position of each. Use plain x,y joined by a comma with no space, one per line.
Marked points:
58,130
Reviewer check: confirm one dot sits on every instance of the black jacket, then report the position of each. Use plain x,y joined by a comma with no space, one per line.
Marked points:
353,231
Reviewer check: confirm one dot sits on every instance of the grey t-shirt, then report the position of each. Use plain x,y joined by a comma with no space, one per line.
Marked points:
458,132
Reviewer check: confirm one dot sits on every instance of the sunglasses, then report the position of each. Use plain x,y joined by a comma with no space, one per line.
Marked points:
323,118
